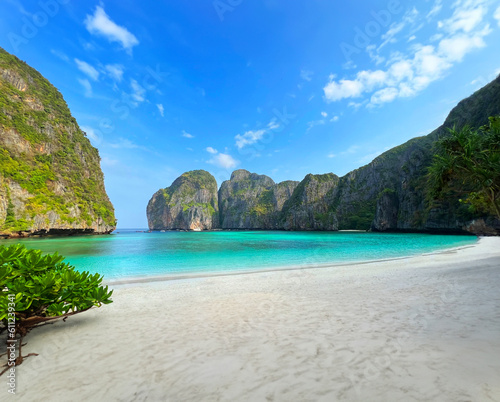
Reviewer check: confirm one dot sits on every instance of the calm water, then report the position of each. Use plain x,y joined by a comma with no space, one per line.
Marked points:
131,254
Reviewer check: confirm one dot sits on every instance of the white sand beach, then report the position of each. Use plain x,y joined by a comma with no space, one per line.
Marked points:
425,328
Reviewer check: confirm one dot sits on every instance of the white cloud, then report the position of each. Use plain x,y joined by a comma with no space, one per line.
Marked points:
249,138
88,46
124,143
101,24
87,69
365,81
324,114
273,124
138,92
389,36
436,8
349,65
478,80
409,19
315,123
401,70
436,37
211,150
253,136
334,118
374,55
351,150
59,54
335,91
306,75
496,15
368,158
224,161
483,80
94,136
384,95
106,161
87,87
115,71
455,48
406,75
187,135
467,16
356,105
161,109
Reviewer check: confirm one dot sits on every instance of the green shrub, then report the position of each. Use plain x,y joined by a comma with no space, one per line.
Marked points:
42,288
467,164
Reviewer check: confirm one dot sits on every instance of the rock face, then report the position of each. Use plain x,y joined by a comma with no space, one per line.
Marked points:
246,201
388,194
310,206
190,203
403,169
50,175
252,201
386,214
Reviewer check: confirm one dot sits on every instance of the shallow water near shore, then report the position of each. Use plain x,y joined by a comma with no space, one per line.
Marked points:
130,254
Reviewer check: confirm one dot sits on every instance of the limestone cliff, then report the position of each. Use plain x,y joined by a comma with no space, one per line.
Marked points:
388,194
50,175
310,206
407,207
246,201
190,203
252,201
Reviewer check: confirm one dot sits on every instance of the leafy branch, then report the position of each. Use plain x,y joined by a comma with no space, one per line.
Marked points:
43,289
467,163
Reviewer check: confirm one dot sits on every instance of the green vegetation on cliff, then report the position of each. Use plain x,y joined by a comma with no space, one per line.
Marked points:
391,193
468,165
189,203
189,183
264,205
43,150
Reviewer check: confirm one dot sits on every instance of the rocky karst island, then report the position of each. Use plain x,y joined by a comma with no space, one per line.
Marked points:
390,194
50,176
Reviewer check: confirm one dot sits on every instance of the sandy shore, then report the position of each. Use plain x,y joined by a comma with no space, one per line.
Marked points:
417,329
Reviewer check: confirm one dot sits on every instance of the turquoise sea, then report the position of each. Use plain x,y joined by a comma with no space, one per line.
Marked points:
135,254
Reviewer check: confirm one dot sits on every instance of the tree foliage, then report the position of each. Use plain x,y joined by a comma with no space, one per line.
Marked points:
467,163
43,288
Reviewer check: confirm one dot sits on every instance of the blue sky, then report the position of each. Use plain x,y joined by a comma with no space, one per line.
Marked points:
282,88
